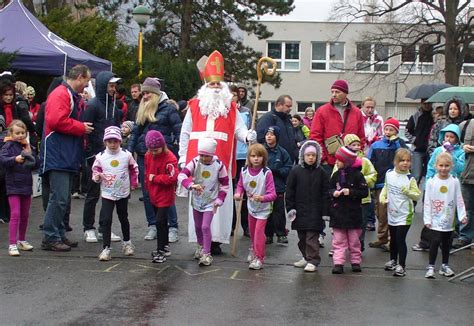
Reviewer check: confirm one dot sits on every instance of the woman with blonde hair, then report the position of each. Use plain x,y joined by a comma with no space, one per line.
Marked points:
154,113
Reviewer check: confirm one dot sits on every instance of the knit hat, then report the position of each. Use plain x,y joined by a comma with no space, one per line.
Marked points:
346,156
392,122
310,149
274,130
207,146
129,124
154,139
151,85
112,132
350,138
30,91
341,85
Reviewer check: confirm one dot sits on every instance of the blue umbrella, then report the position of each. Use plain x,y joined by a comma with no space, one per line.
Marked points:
425,90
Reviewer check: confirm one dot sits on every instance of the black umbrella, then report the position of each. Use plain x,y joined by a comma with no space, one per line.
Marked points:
425,90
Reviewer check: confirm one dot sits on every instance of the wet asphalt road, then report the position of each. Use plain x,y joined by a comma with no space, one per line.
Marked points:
46,288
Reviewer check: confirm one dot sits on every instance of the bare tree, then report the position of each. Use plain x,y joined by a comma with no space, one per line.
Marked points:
416,31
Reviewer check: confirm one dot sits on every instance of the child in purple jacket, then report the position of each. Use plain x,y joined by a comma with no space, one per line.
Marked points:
18,161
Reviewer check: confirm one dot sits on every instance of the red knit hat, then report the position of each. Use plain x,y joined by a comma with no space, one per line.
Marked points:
346,156
341,85
392,122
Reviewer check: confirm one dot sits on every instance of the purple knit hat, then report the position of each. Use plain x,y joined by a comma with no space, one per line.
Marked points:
112,132
154,139
341,85
151,85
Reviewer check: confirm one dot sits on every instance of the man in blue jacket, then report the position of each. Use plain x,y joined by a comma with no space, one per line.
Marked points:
61,153
104,110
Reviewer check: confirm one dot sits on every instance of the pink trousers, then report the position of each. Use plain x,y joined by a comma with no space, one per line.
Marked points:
257,236
19,213
346,239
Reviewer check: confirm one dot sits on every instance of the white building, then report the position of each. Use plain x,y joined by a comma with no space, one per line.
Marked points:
312,55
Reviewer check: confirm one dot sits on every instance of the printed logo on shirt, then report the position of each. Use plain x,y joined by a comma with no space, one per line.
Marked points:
253,184
438,205
443,189
114,163
206,174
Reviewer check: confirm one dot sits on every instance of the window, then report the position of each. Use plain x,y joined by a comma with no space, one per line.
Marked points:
468,66
417,59
286,54
372,57
327,56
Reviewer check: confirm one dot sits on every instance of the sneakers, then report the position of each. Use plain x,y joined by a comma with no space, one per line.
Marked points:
128,248
331,253
158,257
89,236
446,271
390,265
151,233
13,250
205,260
113,237
24,246
376,244
338,269
310,268
198,252
282,239
256,264
370,227
173,235
356,268
55,246
460,243
251,255
105,254
300,263
77,195
430,273
417,247
321,241
399,271
72,244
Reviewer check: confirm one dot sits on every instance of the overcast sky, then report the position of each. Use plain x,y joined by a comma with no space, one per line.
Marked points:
307,10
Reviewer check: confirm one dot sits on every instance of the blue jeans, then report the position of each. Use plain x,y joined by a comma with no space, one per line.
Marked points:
418,165
60,185
149,211
172,217
466,231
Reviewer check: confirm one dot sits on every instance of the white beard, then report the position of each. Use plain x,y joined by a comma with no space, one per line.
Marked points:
214,102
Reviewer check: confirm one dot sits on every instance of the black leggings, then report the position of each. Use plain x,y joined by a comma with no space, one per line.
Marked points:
443,238
398,245
161,214
106,214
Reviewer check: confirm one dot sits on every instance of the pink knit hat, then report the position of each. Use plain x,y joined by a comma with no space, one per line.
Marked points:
341,85
310,149
154,139
151,85
112,132
346,156
207,146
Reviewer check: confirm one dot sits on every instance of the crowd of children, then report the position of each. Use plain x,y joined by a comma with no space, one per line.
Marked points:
270,182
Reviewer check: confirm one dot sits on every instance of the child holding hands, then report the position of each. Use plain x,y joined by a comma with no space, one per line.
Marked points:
257,181
116,171
206,176
443,201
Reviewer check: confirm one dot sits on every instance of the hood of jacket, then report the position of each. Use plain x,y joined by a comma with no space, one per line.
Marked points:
452,128
464,110
101,83
318,152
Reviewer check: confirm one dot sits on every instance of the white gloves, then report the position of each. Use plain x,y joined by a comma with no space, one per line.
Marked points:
252,136
291,215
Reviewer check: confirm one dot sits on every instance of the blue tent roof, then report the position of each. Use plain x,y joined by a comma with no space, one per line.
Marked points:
37,49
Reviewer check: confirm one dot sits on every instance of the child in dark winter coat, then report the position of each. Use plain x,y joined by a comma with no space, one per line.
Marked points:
280,163
307,202
347,188
18,162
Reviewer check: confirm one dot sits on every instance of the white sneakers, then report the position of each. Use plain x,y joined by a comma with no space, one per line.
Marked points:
24,246
151,233
113,237
430,272
173,235
205,260
198,252
251,256
300,263
310,268
128,248
105,254
13,250
256,264
89,236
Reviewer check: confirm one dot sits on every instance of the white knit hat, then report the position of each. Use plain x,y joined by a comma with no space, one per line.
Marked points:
207,146
112,132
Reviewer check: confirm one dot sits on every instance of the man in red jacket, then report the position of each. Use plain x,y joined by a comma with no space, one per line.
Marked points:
334,120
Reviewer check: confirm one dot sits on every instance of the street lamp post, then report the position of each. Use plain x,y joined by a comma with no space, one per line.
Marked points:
141,14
